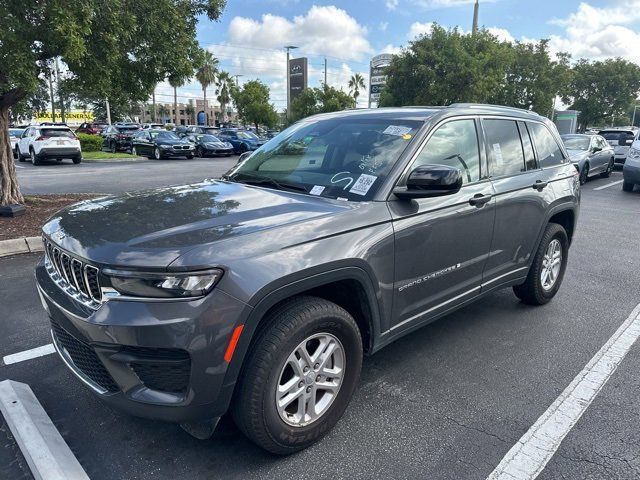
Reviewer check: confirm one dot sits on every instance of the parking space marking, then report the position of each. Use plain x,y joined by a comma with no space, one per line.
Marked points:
609,185
29,354
528,457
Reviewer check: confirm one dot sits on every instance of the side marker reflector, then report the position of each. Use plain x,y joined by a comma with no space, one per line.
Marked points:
235,336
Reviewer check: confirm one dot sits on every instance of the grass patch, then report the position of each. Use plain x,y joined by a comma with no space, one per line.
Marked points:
106,155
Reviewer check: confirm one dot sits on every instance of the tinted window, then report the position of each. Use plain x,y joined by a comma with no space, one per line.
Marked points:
505,148
527,147
15,132
164,135
50,133
549,153
454,144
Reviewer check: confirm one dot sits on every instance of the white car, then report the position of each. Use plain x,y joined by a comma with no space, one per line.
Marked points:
14,137
151,126
49,142
620,139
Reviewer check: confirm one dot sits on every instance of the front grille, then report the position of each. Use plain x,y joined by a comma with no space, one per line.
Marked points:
163,369
181,147
84,358
75,277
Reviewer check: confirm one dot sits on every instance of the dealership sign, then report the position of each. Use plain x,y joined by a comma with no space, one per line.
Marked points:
72,117
378,76
297,77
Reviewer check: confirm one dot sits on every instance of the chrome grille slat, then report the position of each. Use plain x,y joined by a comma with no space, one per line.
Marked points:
70,274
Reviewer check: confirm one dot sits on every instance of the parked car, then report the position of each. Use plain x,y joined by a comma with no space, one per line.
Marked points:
14,138
117,137
206,145
631,168
49,142
272,133
202,129
91,128
620,140
242,140
152,126
260,292
160,144
591,154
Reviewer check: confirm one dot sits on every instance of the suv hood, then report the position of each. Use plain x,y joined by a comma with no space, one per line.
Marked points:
151,229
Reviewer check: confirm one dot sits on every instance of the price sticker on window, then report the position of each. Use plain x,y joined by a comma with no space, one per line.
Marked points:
317,190
397,130
363,184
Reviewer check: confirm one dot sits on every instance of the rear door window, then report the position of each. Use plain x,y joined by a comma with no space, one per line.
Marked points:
505,148
549,153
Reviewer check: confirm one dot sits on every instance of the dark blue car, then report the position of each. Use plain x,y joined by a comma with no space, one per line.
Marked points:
242,140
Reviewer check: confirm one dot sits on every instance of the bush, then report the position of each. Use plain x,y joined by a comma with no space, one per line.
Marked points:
90,143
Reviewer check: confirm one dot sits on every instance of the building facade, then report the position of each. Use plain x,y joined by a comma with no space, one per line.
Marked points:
190,113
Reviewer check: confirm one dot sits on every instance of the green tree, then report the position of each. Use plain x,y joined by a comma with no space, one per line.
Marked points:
319,100
163,111
176,80
107,47
206,75
189,110
602,90
356,83
225,87
252,101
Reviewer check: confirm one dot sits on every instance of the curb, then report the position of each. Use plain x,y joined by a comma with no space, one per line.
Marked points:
116,160
15,246
48,455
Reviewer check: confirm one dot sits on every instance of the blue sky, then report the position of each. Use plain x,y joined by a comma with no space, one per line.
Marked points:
250,35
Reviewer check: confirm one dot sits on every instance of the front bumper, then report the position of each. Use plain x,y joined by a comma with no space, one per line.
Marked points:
170,152
218,151
620,158
160,360
67,152
631,174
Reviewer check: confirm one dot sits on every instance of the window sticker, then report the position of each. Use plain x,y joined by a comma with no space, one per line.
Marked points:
369,163
335,179
317,190
343,199
498,153
406,136
397,130
363,184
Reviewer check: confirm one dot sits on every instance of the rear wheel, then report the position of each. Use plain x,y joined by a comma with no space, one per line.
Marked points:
299,376
547,270
35,160
627,186
584,174
77,159
607,172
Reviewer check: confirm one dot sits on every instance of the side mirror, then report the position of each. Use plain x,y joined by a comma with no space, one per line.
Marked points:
244,156
596,149
431,181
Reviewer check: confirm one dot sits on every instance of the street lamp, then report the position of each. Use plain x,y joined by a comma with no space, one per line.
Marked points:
633,120
288,47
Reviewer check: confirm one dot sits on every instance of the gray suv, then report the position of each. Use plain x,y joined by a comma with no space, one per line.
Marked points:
260,292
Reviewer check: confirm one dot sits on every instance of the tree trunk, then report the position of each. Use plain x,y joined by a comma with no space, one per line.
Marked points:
206,113
153,112
9,187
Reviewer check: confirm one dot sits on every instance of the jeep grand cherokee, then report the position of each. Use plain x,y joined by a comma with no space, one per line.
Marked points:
260,292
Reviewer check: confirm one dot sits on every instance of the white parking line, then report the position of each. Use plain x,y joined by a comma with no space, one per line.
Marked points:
29,354
609,185
528,457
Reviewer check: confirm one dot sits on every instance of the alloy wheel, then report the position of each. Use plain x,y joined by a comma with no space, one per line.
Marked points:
156,153
133,151
310,379
551,264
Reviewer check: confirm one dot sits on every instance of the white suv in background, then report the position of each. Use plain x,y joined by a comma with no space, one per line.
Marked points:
48,142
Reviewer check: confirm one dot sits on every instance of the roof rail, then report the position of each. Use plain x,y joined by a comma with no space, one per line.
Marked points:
501,107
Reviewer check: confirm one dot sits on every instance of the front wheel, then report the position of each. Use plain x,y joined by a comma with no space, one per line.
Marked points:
199,152
157,154
547,270
134,152
112,147
584,174
299,376
627,186
607,172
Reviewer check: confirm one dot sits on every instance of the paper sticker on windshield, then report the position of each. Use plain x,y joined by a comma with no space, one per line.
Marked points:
498,153
317,190
397,130
363,184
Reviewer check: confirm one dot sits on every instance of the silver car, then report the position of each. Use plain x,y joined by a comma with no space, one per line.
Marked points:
591,155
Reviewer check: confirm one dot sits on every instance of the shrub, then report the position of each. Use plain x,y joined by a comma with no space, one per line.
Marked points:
90,143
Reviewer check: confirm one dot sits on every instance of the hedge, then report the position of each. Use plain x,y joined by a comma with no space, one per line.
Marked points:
90,143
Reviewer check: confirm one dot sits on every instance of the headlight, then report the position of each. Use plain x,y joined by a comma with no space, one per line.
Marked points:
163,285
164,147
633,153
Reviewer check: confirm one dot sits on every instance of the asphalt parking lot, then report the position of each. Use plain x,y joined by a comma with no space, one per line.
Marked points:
105,177
447,402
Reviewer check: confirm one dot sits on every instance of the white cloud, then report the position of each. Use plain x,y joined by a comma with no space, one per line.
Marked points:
418,28
383,26
390,48
502,33
392,4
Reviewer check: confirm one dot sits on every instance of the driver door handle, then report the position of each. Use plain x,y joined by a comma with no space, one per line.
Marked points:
478,200
539,185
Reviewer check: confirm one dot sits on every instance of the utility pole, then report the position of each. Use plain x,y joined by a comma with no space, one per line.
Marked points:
238,75
153,100
288,47
325,72
633,120
108,108
53,107
63,115
476,7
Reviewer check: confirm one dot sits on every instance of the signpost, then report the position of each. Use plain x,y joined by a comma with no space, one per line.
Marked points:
297,77
378,76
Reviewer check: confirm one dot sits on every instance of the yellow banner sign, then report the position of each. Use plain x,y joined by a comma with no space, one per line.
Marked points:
75,116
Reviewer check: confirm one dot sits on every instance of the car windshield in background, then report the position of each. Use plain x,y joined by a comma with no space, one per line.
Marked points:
15,132
208,138
247,135
56,132
338,157
577,142
164,135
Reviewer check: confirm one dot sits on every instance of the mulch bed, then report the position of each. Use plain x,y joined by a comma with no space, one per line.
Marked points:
39,209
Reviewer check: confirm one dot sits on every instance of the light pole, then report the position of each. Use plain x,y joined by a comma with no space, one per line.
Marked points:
238,75
288,47
633,120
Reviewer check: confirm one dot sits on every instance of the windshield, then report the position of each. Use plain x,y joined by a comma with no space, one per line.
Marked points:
247,135
208,138
15,132
344,157
577,143
163,135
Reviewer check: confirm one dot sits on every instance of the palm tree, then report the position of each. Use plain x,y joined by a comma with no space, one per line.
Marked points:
163,111
189,110
175,82
206,75
225,84
356,82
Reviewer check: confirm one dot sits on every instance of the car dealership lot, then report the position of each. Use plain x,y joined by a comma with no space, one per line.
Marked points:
446,402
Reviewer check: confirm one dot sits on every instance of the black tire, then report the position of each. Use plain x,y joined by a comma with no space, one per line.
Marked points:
112,147
607,172
134,152
531,291
77,159
157,154
35,160
254,407
584,174
190,156
243,148
20,156
627,186
199,152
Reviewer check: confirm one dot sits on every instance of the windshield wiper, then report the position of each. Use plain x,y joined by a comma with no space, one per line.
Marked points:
253,179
